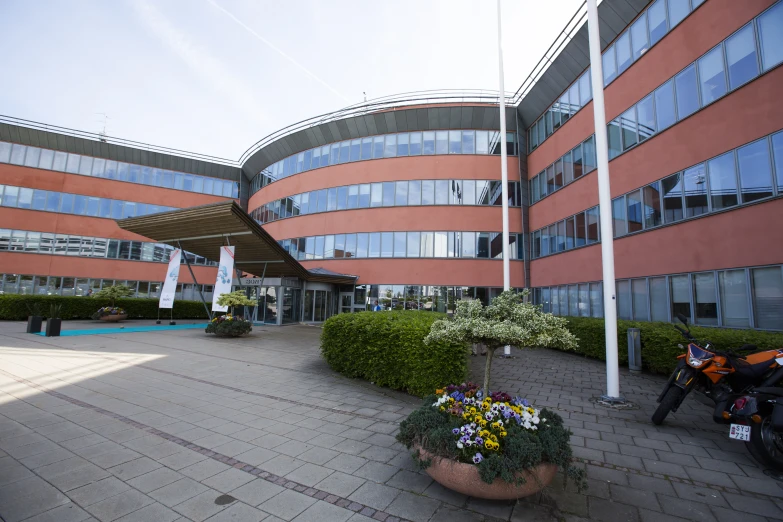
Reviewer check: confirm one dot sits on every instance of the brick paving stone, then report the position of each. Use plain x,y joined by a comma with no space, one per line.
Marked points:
729,515
607,475
657,516
624,461
765,487
699,494
652,484
664,468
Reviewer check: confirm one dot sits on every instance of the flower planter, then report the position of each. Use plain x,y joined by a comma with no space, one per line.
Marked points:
113,318
464,478
34,323
53,327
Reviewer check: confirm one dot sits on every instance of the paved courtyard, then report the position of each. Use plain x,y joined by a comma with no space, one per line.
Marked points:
165,426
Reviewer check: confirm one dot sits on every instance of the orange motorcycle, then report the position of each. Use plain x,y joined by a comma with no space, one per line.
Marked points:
717,374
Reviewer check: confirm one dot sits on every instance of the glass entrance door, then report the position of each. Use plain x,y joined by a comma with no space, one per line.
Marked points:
346,302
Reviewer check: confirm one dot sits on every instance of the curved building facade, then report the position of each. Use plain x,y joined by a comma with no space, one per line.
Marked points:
404,193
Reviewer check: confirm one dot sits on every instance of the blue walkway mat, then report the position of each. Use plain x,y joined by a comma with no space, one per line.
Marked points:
128,329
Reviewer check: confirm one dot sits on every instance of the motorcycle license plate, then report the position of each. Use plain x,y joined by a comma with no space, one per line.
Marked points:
739,432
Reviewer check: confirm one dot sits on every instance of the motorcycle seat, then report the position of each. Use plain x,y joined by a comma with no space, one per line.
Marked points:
752,371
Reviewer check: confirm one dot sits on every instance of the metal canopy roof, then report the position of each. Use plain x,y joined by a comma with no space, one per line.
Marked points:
614,16
203,230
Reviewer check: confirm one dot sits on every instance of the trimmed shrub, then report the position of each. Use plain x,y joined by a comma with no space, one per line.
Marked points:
388,349
13,307
659,340
229,326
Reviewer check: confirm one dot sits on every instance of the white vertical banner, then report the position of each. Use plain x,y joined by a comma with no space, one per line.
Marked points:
224,277
170,283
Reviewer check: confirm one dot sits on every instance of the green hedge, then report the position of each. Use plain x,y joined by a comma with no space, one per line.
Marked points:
659,340
12,307
387,348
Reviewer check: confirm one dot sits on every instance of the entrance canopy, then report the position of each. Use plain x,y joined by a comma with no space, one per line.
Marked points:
203,230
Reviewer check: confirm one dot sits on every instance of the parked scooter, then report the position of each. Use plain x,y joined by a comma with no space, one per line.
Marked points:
756,418
717,374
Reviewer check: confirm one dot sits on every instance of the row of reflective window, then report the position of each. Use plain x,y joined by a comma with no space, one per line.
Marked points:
738,59
738,177
737,298
86,246
386,146
390,194
65,203
481,245
732,63
48,159
417,297
26,284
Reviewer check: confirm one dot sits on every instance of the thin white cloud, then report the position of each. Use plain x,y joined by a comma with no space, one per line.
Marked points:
201,61
277,50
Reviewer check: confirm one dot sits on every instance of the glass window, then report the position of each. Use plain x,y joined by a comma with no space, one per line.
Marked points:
364,196
39,200
345,151
482,192
388,194
558,166
400,244
593,227
585,89
588,155
639,39
573,301
469,192
550,179
362,244
618,217
623,49
468,240
615,139
353,197
561,236
768,297
402,144
390,146
356,150
414,240
545,241
441,244
741,56
664,104
639,297
17,154
579,230
428,138
733,298
646,118
754,170
32,157
680,296
387,244
573,94
414,192
455,142
375,245
442,192
624,299
366,149
777,150
468,142
415,143
427,244
659,310
695,191
401,193
635,216
628,126
672,198
652,205
482,250
678,10
657,21
428,192
705,299
350,245
712,76
771,37
723,181
5,152
441,142
322,201
47,156
482,141
576,162
26,198
342,199
609,66
687,92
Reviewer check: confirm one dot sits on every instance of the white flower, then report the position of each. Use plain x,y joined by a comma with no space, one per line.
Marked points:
543,420
535,420
460,445
533,428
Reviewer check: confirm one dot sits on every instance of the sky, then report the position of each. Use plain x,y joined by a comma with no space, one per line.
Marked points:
216,76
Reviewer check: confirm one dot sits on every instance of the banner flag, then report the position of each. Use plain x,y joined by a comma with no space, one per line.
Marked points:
170,283
224,277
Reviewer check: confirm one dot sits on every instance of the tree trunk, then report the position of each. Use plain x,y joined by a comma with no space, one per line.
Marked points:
488,368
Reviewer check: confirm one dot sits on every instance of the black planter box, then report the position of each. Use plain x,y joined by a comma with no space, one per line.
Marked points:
34,324
53,327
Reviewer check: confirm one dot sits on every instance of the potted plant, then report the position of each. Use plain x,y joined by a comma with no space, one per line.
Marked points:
112,313
35,319
231,325
53,322
490,445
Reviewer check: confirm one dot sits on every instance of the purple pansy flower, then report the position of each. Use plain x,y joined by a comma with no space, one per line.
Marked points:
477,458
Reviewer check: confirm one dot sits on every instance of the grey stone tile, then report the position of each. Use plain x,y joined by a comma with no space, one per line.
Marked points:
652,484
155,479
414,507
111,459
293,448
756,506
710,477
12,471
248,434
374,495
178,492
656,516
607,475
446,495
200,507
239,512
183,459
204,469
636,497
379,454
97,491
698,494
492,508
318,455
156,512
687,509
227,480
409,481
309,474
352,447
287,504
664,468
729,515
340,484
282,465
346,463
23,507
44,459
452,514
65,513
763,486
324,512
269,441
326,440
82,442
376,471
256,456
234,448
256,492
80,476
608,511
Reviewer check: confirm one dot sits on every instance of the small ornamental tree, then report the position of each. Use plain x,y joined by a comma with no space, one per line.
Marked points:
506,321
233,299
113,292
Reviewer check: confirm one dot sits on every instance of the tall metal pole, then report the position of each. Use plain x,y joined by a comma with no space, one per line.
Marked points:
503,166
605,206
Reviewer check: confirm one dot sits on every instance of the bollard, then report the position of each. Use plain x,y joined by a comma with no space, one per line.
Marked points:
634,350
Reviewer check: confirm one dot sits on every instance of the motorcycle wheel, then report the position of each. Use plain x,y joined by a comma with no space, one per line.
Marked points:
671,398
765,445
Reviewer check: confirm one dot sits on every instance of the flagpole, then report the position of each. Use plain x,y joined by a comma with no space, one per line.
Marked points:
605,206
503,165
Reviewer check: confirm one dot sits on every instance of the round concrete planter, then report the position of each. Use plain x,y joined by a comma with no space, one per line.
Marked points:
464,478
114,318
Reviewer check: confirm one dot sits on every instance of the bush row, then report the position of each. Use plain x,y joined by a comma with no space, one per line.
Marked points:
659,340
14,307
387,348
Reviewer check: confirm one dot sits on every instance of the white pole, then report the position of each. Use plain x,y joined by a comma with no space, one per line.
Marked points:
605,205
503,167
